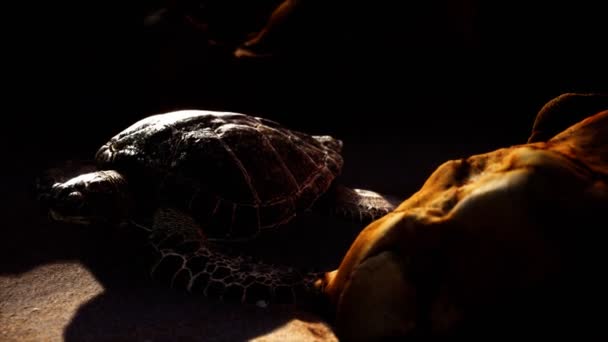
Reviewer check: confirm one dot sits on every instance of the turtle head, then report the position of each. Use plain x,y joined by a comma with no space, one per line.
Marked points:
95,197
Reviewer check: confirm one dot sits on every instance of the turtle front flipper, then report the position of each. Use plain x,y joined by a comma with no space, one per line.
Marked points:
187,261
357,204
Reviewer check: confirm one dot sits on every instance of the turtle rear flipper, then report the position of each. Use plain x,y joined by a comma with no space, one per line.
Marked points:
187,261
358,204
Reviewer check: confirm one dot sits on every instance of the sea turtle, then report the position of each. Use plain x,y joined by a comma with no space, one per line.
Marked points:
192,179
471,248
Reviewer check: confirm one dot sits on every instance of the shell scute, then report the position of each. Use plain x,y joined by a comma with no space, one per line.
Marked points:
263,168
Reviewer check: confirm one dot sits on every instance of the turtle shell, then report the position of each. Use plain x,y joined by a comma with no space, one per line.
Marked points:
235,174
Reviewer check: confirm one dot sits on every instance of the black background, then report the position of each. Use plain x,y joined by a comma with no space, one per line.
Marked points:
398,76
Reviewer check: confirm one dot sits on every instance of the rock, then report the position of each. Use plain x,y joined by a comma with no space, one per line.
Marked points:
482,242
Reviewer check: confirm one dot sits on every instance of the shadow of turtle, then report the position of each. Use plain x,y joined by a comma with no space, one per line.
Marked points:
133,307
155,316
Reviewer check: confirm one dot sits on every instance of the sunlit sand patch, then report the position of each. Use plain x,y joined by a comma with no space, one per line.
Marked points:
38,305
299,330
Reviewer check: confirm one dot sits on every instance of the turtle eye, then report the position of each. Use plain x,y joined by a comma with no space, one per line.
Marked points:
75,199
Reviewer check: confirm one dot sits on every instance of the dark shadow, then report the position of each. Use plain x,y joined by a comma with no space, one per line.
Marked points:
134,308
153,315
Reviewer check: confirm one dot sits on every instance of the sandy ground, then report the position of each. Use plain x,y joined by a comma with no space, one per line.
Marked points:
64,301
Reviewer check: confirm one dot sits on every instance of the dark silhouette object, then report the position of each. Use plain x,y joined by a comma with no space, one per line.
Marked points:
260,45
564,111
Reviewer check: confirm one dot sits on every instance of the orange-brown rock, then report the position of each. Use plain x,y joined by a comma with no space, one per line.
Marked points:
480,231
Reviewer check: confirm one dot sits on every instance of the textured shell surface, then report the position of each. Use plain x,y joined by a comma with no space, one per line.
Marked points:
235,173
